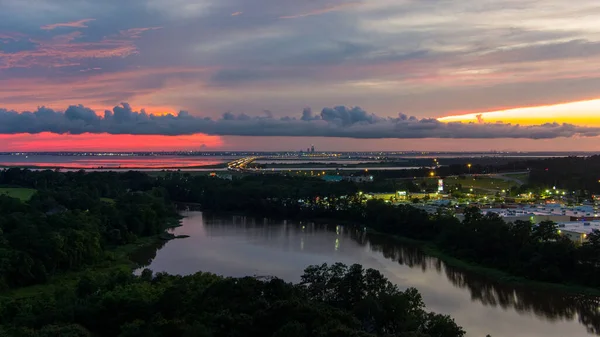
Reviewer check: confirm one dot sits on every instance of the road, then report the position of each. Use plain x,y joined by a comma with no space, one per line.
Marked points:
240,164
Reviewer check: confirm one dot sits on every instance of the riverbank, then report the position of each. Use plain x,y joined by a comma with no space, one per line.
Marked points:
491,274
115,258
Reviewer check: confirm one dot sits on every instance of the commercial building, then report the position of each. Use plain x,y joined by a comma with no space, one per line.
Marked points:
359,179
332,178
578,231
546,212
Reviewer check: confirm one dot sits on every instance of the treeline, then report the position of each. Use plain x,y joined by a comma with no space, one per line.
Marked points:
72,219
331,301
579,174
536,252
68,209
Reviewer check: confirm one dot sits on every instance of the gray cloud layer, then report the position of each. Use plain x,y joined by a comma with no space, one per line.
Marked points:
339,121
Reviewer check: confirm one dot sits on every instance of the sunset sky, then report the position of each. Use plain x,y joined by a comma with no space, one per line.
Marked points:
445,75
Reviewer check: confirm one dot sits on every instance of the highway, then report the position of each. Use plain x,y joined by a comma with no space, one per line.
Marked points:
240,164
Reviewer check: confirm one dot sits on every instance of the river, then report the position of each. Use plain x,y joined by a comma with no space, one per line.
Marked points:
241,246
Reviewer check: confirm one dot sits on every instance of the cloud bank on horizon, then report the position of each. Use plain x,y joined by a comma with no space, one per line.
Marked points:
339,121
429,59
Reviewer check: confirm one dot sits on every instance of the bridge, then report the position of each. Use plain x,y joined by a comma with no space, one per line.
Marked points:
240,164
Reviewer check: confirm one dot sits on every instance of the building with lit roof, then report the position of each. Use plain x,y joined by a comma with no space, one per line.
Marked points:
578,231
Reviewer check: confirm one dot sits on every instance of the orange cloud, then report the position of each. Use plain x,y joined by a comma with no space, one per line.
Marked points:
104,142
73,24
585,113
322,10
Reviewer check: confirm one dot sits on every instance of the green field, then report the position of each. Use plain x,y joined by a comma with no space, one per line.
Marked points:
23,194
479,184
108,200
519,176
485,183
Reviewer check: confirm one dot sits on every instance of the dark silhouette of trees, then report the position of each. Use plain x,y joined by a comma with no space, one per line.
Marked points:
331,301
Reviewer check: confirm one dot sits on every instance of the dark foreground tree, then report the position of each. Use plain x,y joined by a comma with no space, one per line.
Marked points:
331,301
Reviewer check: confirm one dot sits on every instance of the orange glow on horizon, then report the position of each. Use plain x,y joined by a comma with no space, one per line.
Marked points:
586,113
47,141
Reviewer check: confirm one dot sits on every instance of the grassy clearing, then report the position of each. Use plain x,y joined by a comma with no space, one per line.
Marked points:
24,194
482,183
108,200
519,176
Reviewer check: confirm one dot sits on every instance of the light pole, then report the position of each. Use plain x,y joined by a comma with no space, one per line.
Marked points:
469,166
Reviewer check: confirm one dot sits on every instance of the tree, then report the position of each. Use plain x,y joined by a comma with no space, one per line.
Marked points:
545,231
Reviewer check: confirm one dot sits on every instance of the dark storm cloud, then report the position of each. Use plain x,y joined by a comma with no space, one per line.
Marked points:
339,121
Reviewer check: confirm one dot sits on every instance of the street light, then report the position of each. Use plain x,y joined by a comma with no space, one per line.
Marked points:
469,166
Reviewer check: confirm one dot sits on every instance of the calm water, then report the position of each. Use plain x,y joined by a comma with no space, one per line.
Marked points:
240,246
111,162
150,163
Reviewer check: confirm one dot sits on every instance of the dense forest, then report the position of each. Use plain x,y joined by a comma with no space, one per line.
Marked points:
66,225
580,174
331,301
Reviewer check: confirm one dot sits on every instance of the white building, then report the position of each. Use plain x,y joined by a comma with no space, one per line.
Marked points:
578,231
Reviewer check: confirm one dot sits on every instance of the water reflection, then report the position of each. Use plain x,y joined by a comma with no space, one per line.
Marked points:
238,246
544,304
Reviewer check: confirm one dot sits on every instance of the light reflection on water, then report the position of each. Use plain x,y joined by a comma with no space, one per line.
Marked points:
240,246
89,162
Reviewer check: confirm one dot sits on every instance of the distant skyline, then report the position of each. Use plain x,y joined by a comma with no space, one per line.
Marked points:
254,67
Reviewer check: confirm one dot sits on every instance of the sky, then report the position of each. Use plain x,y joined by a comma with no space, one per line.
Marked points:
448,75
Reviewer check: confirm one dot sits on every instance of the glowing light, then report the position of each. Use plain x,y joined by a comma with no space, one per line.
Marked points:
581,113
47,141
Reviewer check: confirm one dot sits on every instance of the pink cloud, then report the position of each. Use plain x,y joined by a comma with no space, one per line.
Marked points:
90,87
322,10
89,69
65,50
72,24
14,36
135,33
236,13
